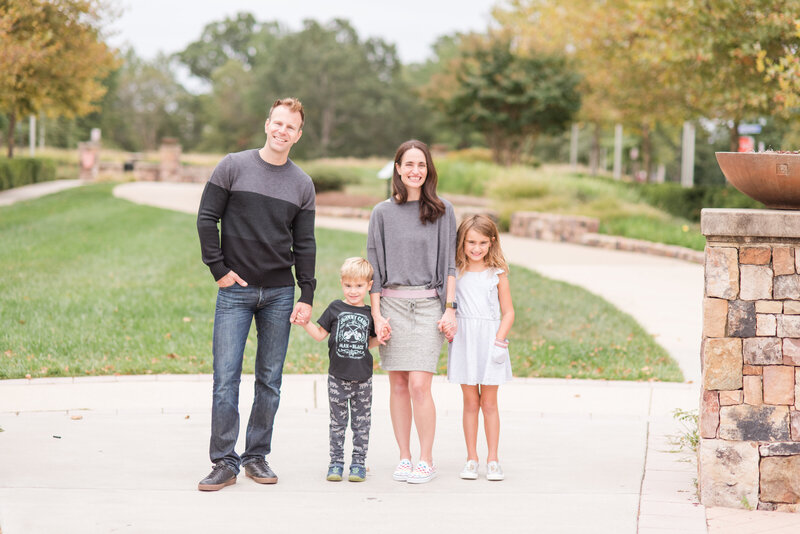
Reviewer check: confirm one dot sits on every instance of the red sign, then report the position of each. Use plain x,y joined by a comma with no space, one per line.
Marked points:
746,143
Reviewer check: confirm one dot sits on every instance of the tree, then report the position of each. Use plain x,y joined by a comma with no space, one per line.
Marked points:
733,60
52,58
510,96
242,39
357,102
623,81
146,103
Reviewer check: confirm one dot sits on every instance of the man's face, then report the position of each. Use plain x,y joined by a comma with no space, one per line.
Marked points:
283,129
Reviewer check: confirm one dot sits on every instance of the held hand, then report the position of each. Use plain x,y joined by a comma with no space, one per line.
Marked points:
383,329
448,324
229,279
301,314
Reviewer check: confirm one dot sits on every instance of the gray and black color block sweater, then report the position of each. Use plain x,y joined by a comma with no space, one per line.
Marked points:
267,214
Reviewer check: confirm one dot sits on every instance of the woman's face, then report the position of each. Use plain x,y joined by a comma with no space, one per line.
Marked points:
412,169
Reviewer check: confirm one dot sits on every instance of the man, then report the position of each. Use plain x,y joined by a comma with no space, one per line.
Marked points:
266,205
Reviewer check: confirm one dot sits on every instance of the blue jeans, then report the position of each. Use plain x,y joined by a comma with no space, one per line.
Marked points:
236,307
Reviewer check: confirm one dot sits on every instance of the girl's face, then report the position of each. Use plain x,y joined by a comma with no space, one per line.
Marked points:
413,169
476,246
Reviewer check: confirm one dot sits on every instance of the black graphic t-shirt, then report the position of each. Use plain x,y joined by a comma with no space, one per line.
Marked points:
350,328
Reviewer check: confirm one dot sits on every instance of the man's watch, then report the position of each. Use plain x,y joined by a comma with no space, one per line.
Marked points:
453,305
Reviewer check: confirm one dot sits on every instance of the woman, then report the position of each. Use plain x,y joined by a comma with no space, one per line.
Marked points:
411,245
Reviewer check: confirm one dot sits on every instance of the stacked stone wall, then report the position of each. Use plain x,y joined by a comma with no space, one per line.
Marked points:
749,424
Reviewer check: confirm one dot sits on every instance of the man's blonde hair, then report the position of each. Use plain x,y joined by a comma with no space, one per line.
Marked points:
294,105
356,269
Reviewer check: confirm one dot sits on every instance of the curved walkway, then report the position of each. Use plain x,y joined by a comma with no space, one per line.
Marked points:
113,454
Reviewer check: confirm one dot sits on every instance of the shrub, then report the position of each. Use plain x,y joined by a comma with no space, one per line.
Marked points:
464,177
23,171
687,202
328,178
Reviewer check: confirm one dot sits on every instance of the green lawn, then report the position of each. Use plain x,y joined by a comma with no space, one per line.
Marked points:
96,285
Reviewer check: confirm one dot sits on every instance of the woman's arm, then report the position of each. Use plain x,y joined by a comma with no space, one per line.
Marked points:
506,307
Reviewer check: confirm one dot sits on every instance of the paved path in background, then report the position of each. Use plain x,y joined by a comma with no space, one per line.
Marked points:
27,192
112,454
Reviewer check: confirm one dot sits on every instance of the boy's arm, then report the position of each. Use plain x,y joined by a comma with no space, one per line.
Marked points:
315,331
373,342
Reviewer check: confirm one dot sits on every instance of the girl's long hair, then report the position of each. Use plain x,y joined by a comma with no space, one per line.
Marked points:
431,206
486,227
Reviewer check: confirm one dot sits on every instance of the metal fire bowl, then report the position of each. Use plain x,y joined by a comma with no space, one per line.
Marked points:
772,178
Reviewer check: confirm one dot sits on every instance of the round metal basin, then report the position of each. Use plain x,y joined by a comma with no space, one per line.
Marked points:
772,178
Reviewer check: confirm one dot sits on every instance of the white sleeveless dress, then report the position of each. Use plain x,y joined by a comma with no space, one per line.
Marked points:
473,357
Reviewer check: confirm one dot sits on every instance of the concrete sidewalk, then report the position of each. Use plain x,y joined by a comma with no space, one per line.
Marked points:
112,454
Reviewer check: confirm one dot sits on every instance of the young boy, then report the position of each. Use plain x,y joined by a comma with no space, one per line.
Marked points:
352,334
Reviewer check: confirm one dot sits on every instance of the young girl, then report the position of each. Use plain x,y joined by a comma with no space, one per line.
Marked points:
478,356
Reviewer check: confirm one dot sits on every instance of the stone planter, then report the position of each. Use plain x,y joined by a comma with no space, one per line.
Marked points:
772,178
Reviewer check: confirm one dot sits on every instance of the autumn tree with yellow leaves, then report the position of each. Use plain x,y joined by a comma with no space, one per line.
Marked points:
52,58
644,61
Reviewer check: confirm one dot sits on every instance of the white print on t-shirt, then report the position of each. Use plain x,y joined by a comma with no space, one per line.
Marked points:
351,336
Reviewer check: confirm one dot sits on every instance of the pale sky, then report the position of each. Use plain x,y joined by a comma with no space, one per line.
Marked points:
168,26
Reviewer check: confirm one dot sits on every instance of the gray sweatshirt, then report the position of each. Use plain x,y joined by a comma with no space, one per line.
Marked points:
405,252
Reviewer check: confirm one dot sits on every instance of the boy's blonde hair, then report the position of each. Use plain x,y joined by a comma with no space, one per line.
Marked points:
356,269
485,227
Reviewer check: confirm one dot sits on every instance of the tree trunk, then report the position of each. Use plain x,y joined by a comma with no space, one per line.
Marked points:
594,153
647,150
12,125
734,132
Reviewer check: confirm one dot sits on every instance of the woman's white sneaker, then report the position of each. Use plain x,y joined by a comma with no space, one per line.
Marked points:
422,473
470,471
402,470
494,471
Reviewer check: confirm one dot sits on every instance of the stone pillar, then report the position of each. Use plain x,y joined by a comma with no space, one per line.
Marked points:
170,167
749,423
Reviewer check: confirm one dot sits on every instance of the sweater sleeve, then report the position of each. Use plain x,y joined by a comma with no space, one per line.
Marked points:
304,247
376,255
212,207
446,262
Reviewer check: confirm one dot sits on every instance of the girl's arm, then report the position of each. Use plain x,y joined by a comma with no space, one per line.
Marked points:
506,307
315,331
382,327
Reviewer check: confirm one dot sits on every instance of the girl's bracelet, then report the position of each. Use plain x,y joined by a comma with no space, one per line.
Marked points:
502,343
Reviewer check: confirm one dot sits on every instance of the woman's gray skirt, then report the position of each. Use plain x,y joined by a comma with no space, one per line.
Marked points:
416,341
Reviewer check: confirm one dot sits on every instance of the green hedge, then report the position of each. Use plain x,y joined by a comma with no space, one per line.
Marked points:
687,202
327,177
17,172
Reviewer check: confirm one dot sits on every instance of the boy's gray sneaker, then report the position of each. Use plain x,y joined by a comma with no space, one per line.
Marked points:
221,475
335,472
358,473
259,471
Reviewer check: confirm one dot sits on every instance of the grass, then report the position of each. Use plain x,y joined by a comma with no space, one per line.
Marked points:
619,207
96,285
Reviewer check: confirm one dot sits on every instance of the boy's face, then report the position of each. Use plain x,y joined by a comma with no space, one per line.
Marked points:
355,290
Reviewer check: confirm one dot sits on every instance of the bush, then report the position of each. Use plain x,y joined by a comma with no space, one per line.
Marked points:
328,178
464,177
687,202
17,172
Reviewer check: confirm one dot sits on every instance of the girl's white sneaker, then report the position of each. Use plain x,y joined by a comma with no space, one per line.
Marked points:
402,470
494,471
470,471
